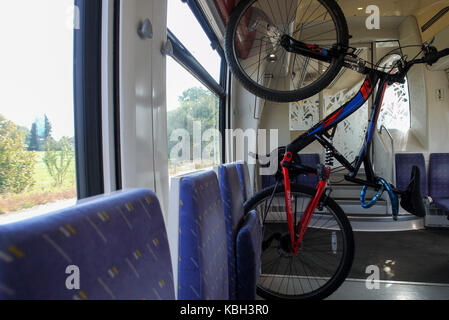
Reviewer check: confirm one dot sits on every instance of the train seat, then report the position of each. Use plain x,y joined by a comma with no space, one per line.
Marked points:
404,163
248,253
110,247
243,234
245,182
308,159
439,179
202,263
311,160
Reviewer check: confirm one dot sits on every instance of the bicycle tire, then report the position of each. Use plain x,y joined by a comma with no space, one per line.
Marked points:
344,265
293,95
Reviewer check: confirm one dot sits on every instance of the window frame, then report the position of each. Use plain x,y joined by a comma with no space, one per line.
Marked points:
87,100
183,56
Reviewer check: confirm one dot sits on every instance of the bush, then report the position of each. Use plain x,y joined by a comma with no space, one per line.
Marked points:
16,163
58,158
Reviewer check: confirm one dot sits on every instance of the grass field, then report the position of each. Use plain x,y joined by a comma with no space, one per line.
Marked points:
42,192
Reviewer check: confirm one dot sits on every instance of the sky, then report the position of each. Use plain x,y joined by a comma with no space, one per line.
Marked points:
36,60
187,29
36,63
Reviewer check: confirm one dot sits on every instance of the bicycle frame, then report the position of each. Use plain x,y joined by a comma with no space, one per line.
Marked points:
320,133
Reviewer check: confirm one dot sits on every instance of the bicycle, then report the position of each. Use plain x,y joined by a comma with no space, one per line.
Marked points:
308,243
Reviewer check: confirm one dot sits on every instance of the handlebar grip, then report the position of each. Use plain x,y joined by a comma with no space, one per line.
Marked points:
434,56
443,53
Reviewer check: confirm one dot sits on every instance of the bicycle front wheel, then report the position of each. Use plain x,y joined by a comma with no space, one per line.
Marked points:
263,66
326,251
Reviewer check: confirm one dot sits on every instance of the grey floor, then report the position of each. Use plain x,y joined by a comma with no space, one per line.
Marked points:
411,265
354,289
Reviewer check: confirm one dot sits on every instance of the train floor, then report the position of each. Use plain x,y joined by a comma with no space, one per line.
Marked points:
405,265
412,264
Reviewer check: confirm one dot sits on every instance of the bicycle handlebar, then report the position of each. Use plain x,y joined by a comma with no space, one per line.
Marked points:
431,56
434,56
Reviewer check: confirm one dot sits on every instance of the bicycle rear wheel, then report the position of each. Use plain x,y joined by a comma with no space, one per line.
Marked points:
326,251
263,66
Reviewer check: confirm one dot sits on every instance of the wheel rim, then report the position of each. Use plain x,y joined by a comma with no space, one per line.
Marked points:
268,66
315,269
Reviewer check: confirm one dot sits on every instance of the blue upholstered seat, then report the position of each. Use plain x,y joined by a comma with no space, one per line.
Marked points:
118,242
310,160
233,210
268,181
248,247
404,164
242,168
442,203
203,256
439,179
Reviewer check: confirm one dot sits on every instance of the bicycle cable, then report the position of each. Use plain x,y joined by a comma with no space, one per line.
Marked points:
377,65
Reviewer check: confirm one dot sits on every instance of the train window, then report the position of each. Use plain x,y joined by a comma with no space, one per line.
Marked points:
395,113
37,158
195,93
192,122
193,38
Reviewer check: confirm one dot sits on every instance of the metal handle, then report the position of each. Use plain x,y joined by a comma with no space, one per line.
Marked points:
145,30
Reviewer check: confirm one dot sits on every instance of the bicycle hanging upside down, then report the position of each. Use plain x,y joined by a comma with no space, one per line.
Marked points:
308,243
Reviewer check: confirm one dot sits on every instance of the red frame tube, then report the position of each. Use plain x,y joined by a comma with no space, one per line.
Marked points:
310,210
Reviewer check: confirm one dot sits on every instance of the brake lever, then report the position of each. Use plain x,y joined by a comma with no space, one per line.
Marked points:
428,44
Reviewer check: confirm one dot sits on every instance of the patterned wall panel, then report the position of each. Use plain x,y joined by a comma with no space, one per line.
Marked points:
351,132
395,112
304,114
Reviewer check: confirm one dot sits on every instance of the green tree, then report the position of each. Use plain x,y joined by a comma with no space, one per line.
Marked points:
58,158
34,138
47,128
27,135
196,104
16,163
47,139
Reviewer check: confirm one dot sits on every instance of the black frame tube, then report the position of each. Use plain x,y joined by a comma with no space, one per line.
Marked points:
307,138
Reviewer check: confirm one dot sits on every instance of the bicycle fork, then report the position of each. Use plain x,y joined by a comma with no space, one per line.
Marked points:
297,235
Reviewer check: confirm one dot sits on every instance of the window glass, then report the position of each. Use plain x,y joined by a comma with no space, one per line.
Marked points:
395,113
184,25
193,132
37,159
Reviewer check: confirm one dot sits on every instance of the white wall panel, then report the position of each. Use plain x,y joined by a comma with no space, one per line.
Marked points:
159,84
107,84
142,99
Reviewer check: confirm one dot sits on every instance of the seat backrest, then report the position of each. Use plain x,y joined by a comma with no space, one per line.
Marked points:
117,244
243,171
248,247
311,160
203,255
439,175
233,210
404,165
267,181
